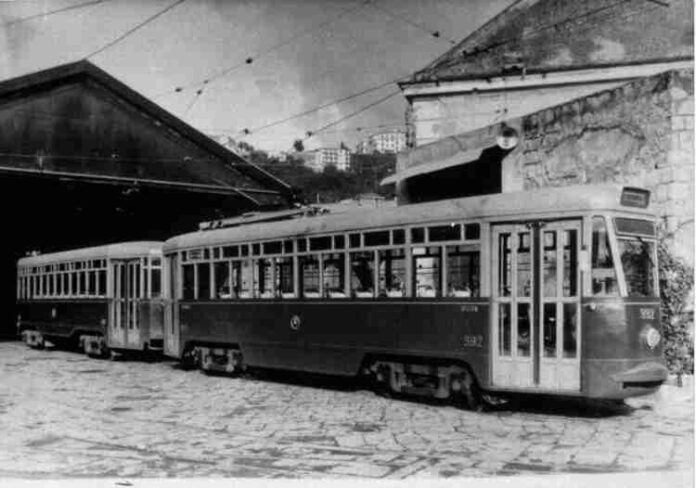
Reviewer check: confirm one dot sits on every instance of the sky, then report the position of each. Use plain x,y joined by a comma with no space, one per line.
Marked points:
305,53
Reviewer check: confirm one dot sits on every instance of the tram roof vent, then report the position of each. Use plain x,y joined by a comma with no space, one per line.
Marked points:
258,217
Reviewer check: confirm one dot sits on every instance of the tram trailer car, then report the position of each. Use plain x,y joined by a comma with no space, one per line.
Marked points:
98,299
552,291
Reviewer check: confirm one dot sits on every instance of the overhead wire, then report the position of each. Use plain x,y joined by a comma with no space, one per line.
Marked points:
246,132
48,156
53,12
528,34
135,28
313,133
433,33
250,59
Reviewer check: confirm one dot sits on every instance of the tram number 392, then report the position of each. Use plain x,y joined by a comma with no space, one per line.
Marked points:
471,341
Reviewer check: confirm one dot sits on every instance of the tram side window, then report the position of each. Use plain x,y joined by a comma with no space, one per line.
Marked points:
309,276
427,269
155,282
188,282
245,283
392,273
285,277
264,278
462,271
93,283
334,275
101,282
362,274
82,283
203,281
603,273
638,261
223,284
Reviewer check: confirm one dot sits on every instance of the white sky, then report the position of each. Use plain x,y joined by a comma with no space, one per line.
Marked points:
201,37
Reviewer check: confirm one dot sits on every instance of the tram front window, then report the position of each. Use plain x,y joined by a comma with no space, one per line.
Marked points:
603,272
638,261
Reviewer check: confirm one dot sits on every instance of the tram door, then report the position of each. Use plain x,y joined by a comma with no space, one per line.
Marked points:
125,326
171,318
536,313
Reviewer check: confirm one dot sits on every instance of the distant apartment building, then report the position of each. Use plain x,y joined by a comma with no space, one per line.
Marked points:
320,158
387,142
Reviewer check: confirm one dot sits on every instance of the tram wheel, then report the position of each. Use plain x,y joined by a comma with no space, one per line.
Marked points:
381,383
189,359
465,393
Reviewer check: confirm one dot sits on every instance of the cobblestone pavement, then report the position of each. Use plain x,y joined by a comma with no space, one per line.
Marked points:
65,415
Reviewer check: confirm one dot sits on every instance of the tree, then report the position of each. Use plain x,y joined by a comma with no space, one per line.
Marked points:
676,281
298,145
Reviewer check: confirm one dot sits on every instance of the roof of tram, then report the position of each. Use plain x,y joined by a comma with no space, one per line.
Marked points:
538,204
122,250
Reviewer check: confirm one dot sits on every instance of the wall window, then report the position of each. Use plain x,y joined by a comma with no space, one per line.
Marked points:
392,273
362,274
463,270
334,275
427,268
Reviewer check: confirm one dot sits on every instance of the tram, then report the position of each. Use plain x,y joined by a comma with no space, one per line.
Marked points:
551,292
98,299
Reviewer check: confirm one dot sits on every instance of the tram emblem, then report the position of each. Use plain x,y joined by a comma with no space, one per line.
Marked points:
295,322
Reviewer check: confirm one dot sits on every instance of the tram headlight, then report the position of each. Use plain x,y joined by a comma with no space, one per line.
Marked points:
651,337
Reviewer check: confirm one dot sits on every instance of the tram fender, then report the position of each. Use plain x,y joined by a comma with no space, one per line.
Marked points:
645,372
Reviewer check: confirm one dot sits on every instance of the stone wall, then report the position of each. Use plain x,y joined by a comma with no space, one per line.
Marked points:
639,134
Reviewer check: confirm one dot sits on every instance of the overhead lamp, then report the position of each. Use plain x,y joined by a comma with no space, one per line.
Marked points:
507,137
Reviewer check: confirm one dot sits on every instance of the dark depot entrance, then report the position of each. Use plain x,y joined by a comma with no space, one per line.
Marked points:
85,160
